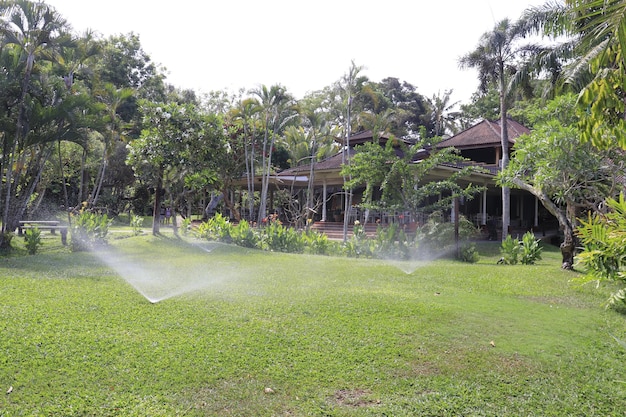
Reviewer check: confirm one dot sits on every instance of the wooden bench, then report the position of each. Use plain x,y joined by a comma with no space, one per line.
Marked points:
52,225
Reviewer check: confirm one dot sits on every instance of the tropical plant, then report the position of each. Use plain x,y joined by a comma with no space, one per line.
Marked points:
89,230
318,243
603,238
32,240
278,109
278,238
244,235
30,32
565,173
177,142
531,249
217,228
438,234
510,250
468,253
136,223
441,114
495,58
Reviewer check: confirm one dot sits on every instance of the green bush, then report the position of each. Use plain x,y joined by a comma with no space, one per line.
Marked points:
89,230
393,242
531,249
216,228
317,243
469,253
527,251
186,226
510,251
136,223
278,238
32,240
244,235
603,238
438,233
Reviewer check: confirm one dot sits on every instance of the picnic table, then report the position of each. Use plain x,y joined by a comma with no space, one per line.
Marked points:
52,225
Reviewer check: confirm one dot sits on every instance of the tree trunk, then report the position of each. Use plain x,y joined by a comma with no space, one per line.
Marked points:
504,137
156,210
568,247
228,203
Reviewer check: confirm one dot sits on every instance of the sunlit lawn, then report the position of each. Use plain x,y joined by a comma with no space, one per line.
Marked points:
266,334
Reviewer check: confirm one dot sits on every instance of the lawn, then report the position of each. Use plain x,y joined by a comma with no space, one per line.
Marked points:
214,330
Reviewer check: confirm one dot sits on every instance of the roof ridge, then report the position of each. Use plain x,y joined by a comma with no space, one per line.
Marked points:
489,123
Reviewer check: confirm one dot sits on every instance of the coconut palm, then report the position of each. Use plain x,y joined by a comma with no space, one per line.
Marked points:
441,114
495,57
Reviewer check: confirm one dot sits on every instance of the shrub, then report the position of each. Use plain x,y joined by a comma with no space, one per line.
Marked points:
510,251
217,228
244,235
317,243
136,223
186,226
439,233
469,253
32,240
603,238
527,251
89,230
279,238
393,242
531,249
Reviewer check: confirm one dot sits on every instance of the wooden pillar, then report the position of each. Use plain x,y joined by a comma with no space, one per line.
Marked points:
324,198
455,211
536,221
484,209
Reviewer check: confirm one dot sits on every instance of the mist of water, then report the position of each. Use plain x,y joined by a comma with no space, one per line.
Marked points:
160,279
417,259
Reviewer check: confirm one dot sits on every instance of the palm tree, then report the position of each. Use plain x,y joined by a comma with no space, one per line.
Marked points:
495,58
31,31
601,25
278,110
441,113
246,116
112,98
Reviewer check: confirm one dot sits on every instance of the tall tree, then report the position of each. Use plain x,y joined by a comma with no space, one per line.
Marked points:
245,117
565,173
441,114
278,109
495,57
30,31
177,142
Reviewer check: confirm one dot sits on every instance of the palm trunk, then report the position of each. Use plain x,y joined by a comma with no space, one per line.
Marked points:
262,202
504,136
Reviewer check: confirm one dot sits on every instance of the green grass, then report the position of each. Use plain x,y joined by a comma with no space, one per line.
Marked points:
276,334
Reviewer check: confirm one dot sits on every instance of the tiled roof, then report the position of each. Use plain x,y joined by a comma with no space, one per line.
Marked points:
484,134
330,163
367,136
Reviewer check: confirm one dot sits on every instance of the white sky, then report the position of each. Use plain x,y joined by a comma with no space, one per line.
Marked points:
212,45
